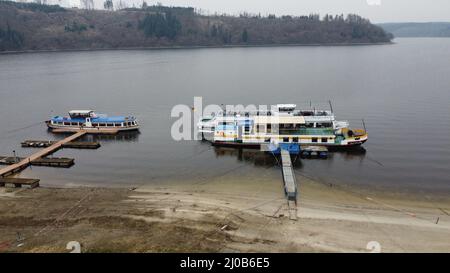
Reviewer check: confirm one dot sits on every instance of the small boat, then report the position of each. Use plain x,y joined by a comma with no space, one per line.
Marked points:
90,121
283,125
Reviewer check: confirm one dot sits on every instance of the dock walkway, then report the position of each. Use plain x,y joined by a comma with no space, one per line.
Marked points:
4,172
290,183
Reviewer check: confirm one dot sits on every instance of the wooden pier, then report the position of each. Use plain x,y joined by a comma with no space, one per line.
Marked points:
19,182
48,143
290,183
25,162
61,162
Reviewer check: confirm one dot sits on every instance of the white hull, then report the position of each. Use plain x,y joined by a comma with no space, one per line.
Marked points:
93,129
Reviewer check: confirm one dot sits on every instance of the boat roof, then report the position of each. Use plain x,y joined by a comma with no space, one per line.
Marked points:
278,106
279,119
100,119
80,112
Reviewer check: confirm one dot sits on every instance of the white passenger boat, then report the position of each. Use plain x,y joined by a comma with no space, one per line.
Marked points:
283,125
91,121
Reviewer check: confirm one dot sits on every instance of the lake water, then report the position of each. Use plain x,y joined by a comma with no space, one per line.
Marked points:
401,90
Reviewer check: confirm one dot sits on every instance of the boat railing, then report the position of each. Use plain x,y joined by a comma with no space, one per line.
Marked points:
313,113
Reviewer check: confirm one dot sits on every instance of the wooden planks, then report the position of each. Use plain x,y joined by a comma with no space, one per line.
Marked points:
48,143
290,185
40,154
19,182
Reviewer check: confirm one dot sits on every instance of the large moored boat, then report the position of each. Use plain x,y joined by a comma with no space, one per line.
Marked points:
283,125
90,121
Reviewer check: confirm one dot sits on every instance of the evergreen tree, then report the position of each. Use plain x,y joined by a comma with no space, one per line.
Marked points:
108,5
245,36
160,25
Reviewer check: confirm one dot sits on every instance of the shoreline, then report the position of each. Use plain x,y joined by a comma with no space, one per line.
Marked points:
220,216
191,47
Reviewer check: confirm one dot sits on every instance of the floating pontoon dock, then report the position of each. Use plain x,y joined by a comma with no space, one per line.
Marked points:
19,182
72,144
25,162
61,162
39,158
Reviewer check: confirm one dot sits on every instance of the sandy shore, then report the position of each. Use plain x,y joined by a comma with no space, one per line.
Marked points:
220,216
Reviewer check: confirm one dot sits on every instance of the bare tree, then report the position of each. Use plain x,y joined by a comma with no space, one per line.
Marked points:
87,4
121,5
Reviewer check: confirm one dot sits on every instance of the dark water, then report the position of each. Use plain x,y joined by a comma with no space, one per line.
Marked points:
402,91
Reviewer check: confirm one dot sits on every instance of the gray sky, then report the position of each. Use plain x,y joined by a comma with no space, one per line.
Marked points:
379,11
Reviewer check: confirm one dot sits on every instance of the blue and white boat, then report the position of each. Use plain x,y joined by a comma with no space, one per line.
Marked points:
90,121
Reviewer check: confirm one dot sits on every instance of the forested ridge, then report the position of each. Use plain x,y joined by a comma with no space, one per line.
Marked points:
31,26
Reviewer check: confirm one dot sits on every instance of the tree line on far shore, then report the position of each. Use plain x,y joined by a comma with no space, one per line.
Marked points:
37,26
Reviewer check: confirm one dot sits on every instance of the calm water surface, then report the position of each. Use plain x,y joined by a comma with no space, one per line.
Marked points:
402,91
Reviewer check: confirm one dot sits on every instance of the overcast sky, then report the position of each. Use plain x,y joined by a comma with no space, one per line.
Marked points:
376,10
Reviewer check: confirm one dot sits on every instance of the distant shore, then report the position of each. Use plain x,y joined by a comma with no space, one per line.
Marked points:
220,215
192,47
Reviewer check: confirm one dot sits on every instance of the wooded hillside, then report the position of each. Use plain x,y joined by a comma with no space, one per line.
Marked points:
42,27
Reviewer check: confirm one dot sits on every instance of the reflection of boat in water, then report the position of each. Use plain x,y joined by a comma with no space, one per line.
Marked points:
251,156
248,155
284,125
126,136
88,120
259,159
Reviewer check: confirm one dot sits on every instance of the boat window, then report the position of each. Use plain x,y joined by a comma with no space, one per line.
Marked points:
95,124
295,139
314,139
324,140
110,125
288,126
60,123
260,128
285,139
66,123
269,128
102,124
307,113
